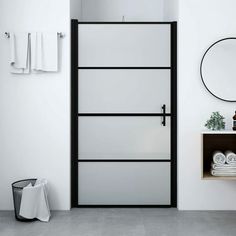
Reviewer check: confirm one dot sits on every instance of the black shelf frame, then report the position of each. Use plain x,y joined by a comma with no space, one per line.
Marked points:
75,113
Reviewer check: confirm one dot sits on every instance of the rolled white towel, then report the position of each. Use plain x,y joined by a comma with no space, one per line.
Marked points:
219,157
230,157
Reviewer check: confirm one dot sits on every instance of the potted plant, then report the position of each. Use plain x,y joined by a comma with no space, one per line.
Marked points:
216,121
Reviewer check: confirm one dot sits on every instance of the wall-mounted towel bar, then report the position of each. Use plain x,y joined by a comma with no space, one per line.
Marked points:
60,34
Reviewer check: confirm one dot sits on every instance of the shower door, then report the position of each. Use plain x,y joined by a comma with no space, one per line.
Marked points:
126,104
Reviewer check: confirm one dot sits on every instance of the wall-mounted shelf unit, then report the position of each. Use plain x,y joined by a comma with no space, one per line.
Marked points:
212,141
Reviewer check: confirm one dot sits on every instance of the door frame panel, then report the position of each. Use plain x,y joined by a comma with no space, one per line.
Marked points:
74,112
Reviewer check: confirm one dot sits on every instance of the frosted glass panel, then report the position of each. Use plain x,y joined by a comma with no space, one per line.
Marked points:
124,90
124,138
124,45
124,183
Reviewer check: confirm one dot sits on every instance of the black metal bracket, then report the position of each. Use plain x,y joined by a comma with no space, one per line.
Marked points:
74,113
123,114
124,67
164,115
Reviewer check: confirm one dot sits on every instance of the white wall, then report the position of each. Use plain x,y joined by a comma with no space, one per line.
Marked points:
170,10
35,109
76,9
200,24
113,10
34,123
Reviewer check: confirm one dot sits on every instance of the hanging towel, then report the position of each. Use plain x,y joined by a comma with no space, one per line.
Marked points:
44,52
36,51
230,157
20,53
34,202
219,157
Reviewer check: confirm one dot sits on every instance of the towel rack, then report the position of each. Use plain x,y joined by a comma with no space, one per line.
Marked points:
60,34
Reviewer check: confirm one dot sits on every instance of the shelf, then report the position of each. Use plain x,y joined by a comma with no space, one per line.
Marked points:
208,176
212,141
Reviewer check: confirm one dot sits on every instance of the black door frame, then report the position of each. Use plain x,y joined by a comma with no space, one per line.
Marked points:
75,114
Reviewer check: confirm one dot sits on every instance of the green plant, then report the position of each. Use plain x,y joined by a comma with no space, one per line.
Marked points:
216,121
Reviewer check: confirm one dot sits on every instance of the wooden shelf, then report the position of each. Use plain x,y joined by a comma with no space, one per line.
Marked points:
212,141
208,176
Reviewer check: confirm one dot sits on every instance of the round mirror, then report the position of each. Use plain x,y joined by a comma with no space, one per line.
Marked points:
218,69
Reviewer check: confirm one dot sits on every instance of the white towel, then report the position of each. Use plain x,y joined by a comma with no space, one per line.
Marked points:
223,172
36,51
44,52
230,157
223,166
20,53
34,202
219,157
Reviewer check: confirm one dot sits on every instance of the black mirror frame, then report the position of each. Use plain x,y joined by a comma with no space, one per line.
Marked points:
225,100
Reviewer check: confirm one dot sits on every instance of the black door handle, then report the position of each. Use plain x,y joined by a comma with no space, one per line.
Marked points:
164,115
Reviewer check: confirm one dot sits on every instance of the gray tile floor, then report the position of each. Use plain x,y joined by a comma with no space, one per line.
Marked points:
125,222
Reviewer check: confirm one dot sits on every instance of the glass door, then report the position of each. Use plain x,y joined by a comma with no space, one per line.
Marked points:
125,114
